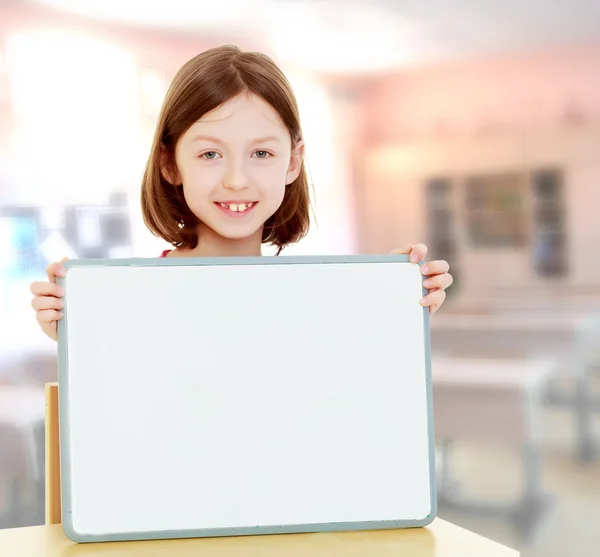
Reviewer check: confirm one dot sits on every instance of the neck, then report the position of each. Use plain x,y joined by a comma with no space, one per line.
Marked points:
210,244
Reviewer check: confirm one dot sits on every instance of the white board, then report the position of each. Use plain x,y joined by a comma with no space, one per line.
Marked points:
244,396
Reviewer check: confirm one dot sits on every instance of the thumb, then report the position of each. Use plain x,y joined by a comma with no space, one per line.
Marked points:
63,271
403,250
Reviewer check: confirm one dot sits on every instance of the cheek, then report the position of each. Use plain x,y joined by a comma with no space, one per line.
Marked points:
271,178
199,184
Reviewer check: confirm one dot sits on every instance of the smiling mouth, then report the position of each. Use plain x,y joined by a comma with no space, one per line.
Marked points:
236,208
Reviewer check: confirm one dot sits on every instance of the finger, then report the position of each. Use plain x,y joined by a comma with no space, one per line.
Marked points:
56,270
47,289
40,303
436,297
438,281
434,308
48,316
435,268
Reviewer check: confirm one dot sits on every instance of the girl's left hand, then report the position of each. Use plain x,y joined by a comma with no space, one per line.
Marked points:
438,277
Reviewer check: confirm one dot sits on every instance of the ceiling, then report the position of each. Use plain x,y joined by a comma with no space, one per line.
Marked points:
357,36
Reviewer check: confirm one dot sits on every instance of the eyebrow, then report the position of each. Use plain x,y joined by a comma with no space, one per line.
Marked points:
212,139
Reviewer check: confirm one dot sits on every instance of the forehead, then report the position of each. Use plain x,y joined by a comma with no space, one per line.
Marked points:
244,115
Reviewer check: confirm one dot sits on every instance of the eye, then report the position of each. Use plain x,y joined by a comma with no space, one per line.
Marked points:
210,155
262,154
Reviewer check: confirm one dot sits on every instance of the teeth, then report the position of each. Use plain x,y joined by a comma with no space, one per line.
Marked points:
237,207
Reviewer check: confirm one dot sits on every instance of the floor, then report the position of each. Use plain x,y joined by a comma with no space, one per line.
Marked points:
571,527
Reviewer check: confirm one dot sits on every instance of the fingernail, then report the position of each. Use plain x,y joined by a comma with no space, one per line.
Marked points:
61,304
427,283
425,269
423,301
60,291
61,272
60,314
414,258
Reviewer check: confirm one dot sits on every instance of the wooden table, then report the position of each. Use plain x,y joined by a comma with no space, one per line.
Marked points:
440,539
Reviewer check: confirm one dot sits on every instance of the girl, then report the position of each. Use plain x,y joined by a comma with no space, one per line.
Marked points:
226,172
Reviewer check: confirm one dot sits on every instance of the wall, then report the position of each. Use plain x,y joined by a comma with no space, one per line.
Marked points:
509,113
519,91
88,136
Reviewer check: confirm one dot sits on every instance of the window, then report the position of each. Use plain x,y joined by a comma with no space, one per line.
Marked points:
549,241
495,210
441,227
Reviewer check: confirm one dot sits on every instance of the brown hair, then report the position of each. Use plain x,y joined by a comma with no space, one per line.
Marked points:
204,83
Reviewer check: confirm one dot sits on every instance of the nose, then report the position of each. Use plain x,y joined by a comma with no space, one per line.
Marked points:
235,178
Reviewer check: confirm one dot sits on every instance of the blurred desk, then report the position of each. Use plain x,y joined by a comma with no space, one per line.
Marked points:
514,321
498,400
532,300
21,454
440,539
568,336
493,401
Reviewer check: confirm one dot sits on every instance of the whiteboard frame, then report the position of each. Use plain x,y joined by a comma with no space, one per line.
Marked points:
64,419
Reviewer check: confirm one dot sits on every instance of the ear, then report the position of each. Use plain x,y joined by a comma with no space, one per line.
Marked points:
295,165
168,168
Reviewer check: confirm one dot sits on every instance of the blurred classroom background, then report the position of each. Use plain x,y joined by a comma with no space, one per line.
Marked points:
470,125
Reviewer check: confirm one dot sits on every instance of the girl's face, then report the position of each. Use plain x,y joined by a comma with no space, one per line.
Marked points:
234,164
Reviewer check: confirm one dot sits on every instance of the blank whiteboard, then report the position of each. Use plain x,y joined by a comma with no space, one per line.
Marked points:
240,396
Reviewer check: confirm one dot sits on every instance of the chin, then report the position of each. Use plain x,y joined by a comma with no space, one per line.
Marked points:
242,233
238,237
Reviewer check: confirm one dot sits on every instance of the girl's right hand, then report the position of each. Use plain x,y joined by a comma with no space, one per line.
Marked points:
47,301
